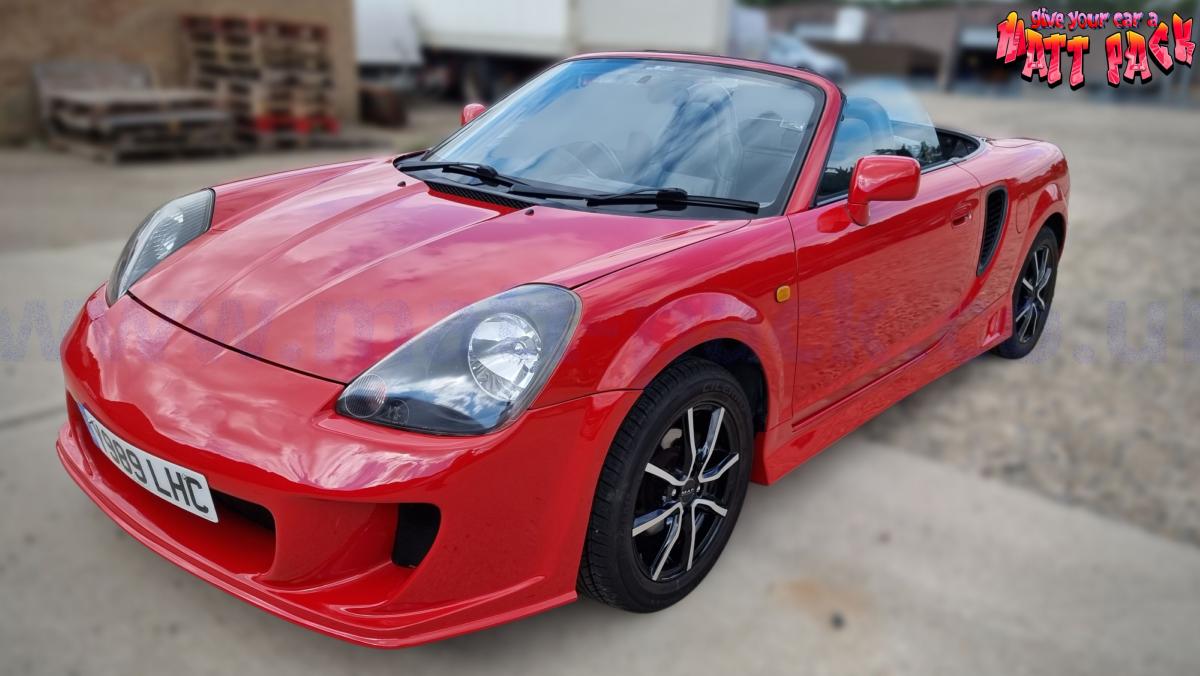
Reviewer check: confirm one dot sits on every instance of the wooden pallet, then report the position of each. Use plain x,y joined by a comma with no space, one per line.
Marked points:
103,110
224,86
88,127
252,89
300,124
243,42
288,109
288,140
279,58
148,143
273,75
116,123
225,27
250,98
290,77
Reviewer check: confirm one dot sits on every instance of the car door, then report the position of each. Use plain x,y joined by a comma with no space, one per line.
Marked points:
873,297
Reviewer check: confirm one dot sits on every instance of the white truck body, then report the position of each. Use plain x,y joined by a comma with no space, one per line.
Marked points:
552,29
385,33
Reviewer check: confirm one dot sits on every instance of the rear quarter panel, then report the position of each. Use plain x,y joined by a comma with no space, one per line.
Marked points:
1035,175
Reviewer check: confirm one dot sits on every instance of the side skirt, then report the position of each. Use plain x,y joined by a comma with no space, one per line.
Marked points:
790,445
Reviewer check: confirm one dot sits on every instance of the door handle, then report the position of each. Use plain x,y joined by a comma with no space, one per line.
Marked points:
962,213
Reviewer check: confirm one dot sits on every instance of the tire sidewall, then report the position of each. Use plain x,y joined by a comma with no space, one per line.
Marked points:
723,391
1013,348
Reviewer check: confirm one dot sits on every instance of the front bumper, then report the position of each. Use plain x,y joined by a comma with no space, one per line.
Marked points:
513,504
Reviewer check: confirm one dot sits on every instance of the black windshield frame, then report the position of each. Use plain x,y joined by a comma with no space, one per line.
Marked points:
776,207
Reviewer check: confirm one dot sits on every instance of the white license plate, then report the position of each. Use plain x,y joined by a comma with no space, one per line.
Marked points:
177,485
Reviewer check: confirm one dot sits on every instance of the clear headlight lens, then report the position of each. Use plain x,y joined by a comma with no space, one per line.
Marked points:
472,372
163,232
503,354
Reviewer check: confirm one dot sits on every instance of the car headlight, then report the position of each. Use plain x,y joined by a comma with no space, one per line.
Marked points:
163,232
472,372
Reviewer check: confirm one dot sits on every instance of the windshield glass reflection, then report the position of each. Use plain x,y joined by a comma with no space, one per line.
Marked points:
615,125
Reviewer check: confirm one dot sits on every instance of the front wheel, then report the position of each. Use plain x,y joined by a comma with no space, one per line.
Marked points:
671,489
1032,296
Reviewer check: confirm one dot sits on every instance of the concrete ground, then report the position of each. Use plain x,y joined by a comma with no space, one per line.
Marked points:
869,561
1009,518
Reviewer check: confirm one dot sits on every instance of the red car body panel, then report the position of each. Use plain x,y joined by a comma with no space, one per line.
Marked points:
331,484
188,367
290,285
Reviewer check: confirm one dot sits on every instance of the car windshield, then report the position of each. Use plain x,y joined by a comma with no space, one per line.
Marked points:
615,125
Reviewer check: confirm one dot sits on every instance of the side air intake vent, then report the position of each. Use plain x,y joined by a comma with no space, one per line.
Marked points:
417,526
478,195
993,223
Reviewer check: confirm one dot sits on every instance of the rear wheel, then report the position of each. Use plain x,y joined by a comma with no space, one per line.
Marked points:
671,489
1032,296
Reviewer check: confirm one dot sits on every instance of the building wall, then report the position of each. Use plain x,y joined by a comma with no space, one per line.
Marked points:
140,31
785,17
935,29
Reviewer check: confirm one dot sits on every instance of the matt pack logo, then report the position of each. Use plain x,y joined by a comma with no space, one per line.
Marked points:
1050,39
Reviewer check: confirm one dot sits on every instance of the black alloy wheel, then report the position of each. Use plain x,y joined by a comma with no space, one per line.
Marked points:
671,489
1032,296
685,493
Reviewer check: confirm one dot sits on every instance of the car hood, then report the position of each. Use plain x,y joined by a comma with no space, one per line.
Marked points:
327,270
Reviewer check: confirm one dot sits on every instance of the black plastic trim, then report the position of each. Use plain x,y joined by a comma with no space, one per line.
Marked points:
994,215
466,192
417,525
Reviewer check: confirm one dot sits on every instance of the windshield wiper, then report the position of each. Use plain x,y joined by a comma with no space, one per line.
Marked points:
520,187
672,196
483,172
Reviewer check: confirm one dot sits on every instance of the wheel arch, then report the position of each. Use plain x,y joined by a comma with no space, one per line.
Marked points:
1058,225
719,327
740,360
1050,210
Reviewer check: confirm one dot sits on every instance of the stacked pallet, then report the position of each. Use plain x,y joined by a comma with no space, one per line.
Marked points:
113,111
274,76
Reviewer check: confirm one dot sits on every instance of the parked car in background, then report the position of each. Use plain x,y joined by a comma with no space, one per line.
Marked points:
481,50
789,50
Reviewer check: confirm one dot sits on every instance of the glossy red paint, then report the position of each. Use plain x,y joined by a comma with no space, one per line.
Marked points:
270,436
470,112
881,178
291,293
189,365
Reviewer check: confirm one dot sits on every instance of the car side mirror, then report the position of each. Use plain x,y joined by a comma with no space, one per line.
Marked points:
471,111
881,178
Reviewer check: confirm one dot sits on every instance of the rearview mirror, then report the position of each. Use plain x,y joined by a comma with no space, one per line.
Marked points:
471,111
881,178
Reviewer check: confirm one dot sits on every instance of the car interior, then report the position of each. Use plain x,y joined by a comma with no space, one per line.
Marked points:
866,128
719,136
722,135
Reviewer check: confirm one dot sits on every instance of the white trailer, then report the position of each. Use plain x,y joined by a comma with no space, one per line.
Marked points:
485,47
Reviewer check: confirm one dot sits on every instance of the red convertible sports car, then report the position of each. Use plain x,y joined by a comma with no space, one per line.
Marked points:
400,399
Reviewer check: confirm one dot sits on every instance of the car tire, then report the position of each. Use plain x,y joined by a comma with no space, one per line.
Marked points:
1032,296
649,493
